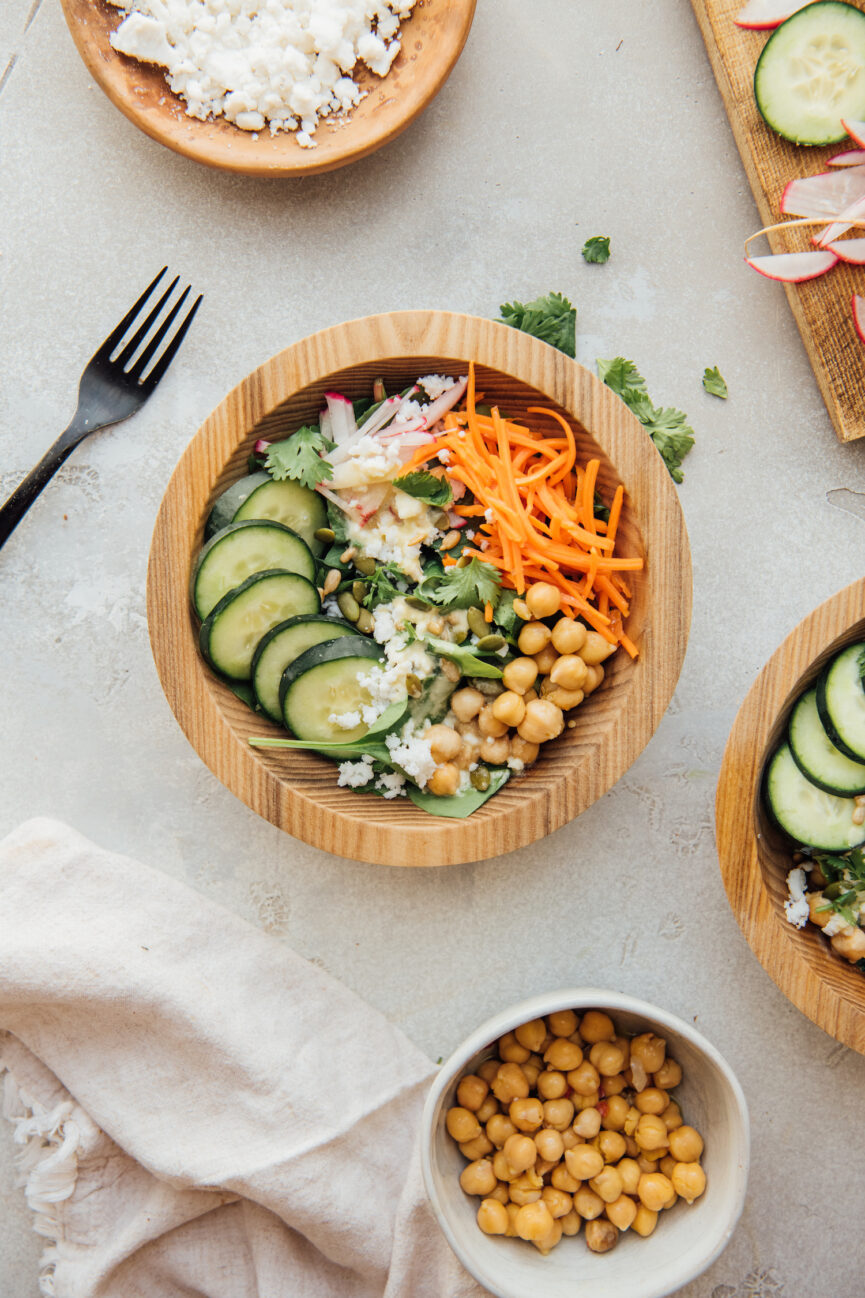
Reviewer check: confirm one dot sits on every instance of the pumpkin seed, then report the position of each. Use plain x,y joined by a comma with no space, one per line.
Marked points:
421,604
491,643
413,686
365,565
480,779
359,590
477,622
365,621
348,606
325,534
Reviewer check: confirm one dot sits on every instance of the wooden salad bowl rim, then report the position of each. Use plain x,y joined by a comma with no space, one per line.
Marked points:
755,856
298,791
432,40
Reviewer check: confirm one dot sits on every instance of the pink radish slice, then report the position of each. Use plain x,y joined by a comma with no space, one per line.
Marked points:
856,131
846,220
758,15
445,402
849,250
852,158
828,194
342,421
794,267
260,447
858,305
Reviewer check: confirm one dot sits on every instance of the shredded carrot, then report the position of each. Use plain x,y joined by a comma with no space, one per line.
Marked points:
488,612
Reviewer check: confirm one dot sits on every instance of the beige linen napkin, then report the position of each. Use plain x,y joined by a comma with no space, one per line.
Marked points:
202,1112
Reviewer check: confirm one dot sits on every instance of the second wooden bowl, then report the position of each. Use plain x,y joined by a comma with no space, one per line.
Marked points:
298,791
756,857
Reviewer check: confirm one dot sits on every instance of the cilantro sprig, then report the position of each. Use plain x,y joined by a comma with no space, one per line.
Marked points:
668,428
597,249
713,382
426,487
550,318
300,457
478,583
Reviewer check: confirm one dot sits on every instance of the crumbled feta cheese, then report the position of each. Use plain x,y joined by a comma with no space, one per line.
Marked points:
413,753
354,775
516,764
392,539
796,907
435,385
283,62
345,720
391,785
444,456
837,924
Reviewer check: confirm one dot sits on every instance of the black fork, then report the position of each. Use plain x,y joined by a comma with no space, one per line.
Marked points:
110,390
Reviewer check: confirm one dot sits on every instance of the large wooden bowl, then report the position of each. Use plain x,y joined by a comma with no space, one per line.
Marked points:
298,791
432,39
755,854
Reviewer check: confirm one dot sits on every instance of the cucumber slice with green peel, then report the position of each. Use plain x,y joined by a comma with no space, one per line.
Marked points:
282,645
811,816
242,549
841,701
811,73
815,754
324,682
297,507
230,634
230,501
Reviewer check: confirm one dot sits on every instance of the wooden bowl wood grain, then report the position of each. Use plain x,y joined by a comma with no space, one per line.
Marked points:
432,40
755,855
298,791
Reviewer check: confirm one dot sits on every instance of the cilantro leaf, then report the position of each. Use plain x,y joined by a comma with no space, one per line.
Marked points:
384,585
668,428
299,457
597,249
506,617
621,375
550,318
714,383
425,486
477,583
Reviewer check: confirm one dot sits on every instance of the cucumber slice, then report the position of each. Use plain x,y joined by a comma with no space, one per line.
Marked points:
289,503
841,702
285,642
323,682
816,755
241,549
230,634
811,73
809,815
230,501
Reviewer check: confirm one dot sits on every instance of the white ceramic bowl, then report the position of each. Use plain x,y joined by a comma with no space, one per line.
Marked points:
687,1238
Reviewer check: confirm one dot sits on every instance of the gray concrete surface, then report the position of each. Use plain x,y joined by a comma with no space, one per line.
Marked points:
561,120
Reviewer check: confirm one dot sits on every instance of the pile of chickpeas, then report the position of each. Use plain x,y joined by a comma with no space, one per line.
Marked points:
560,665
573,1123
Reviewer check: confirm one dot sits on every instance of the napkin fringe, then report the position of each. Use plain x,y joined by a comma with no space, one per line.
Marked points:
47,1166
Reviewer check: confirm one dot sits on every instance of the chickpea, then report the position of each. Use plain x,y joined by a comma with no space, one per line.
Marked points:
621,1212
526,1188
493,1217
666,1166
585,1079
523,751
654,1190
562,1180
588,1204
472,1091
689,1180
818,916
631,1120
645,1221
444,781
651,1133
596,649
594,677
510,1083
462,1124
494,751
686,1145
650,1163
521,1153
444,743
616,1114
543,721
543,599
487,1109
549,1144
569,636
571,1223
503,1170
590,1101
550,1241
849,943
633,1147
512,1209
672,1116
608,1184
570,1139
519,675
466,704
533,638
597,1026
526,1115
529,696
649,1050
607,1058
652,1100
502,1192
614,1085
532,1070
559,1202
534,1221
545,660
601,1235
562,1022
588,1123
543,1166
509,708
512,1050
551,1084
563,1055
566,699
569,672
612,1146
479,1178
499,1128
630,1174
477,1148
489,725
558,1114
488,1069
668,1075
584,1162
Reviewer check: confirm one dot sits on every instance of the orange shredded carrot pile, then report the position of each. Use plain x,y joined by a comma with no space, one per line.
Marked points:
538,510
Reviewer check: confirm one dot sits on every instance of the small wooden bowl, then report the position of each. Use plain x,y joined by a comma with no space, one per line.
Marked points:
755,855
432,40
298,791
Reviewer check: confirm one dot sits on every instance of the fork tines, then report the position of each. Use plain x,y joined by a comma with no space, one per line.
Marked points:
123,359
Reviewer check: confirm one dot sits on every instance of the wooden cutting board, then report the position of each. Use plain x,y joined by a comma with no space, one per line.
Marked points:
821,307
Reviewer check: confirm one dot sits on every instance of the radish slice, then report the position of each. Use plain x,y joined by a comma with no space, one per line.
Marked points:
386,411
342,420
846,220
828,194
794,267
858,305
856,131
260,447
849,250
852,158
758,15
445,402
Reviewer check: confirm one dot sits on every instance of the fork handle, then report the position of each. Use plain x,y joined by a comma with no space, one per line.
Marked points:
26,492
